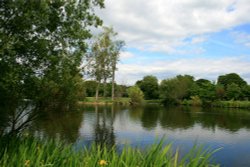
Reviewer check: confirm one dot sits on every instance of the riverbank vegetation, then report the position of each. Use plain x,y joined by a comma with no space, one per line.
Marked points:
27,151
230,90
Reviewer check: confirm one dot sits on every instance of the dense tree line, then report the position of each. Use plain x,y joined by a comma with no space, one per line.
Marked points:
181,88
184,87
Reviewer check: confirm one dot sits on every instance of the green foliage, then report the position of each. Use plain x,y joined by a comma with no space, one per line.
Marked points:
232,104
220,91
207,92
228,79
90,88
103,58
42,43
233,91
32,152
174,90
149,86
246,92
136,95
196,101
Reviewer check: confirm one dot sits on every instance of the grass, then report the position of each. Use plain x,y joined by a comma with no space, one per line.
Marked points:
222,104
121,100
107,100
232,104
28,151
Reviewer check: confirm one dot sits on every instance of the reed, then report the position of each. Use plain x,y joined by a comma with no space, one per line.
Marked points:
27,151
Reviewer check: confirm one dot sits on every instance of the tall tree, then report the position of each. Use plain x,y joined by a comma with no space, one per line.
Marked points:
105,53
42,44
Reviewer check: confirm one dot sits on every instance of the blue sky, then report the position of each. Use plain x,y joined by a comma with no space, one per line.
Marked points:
203,38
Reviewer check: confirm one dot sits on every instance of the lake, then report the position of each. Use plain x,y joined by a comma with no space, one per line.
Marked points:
228,129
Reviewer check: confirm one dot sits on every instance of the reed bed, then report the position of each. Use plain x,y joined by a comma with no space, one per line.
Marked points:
27,151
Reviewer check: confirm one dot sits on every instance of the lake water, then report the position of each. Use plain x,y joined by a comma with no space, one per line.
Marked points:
228,129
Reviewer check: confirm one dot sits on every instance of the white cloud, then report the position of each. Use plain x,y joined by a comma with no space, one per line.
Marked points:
161,25
126,55
199,68
198,39
241,38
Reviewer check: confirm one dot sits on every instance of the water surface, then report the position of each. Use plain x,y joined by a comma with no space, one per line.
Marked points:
228,129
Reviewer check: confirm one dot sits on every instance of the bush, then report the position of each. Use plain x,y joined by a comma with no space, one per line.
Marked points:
136,95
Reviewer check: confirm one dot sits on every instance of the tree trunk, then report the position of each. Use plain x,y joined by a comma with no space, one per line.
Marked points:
113,85
104,87
97,91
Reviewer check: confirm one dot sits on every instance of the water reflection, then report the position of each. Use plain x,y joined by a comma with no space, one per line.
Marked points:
14,120
58,125
119,125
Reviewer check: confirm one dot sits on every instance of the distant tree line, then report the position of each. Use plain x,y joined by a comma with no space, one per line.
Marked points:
184,87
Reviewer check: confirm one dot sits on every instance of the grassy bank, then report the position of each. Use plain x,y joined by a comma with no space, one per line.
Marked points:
231,104
222,104
106,100
32,152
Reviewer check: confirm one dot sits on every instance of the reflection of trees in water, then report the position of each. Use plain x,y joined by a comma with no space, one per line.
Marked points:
174,118
229,119
104,130
186,117
150,117
16,119
59,124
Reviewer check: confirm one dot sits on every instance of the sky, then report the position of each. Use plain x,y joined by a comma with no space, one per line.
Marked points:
165,38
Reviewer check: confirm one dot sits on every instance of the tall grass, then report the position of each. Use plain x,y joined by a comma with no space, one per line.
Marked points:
36,153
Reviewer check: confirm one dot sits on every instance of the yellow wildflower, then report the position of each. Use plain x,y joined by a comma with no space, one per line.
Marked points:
27,163
103,162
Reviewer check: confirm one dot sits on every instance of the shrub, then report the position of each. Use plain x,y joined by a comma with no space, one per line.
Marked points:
136,95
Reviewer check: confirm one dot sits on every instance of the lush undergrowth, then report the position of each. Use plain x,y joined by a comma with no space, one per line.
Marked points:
222,104
232,104
32,152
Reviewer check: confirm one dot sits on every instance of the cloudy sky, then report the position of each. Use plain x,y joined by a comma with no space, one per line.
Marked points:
203,38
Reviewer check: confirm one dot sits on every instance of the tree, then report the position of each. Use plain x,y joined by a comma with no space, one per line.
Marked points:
90,88
149,86
228,79
220,91
136,95
246,92
207,92
105,53
233,91
174,90
41,48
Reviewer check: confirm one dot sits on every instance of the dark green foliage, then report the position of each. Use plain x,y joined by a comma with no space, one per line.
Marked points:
246,92
228,79
207,92
90,88
172,91
233,91
149,86
220,92
41,48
